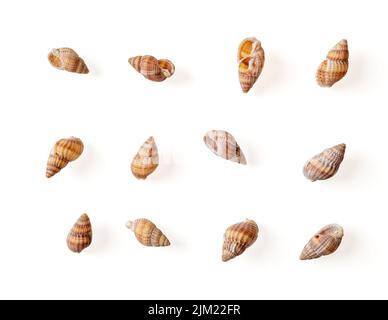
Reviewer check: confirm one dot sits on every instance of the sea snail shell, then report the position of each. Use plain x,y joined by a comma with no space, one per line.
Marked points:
223,144
64,151
325,165
146,160
67,59
324,242
335,66
147,233
80,236
251,62
152,68
238,238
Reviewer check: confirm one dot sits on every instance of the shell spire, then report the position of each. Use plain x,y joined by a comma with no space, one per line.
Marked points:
63,152
146,160
147,233
152,68
335,67
223,144
80,235
238,238
325,164
251,59
67,59
324,242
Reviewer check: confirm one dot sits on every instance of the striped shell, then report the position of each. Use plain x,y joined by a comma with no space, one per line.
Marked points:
223,144
80,236
238,238
147,233
325,165
146,160
152,68
251,62
335,66
67,59
323,243
64,151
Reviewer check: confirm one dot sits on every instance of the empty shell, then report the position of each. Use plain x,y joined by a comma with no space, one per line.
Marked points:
146,160
324,242
80,236
67,59
251,62
238,238
147,233
64,151
152,68
325,165
223,144
335,66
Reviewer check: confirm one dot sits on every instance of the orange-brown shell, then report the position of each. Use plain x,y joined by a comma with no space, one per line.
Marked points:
251,62
147,233
325,164
238,238
335,66
324,242
152,68
64,151
67,59
80,236
146,159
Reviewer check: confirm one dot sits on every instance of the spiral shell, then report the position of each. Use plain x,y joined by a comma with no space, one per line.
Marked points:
80,236
325,165
238,238
223,144
64,151
146,160
323,243
67,59
335,66
147,233
152,68
251,62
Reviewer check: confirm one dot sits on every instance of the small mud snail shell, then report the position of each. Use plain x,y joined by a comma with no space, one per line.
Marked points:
146,160
67,59
147,233
152,68
324,242
80,236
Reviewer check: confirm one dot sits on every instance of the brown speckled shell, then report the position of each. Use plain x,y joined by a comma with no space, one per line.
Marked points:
147,233
223,144
324,242
146,160
152,68
67,59
326,164
80,236
64,151
251,62
335,66
238,238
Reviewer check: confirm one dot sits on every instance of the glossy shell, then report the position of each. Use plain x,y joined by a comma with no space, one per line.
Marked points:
67,59
152,68
147,233
324,242
238,238
80,236
146,160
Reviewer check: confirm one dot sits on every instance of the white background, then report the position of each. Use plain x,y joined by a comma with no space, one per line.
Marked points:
193,196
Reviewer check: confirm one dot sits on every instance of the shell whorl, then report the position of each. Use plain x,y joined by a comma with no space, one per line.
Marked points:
146,159
324,242
223,144
335,67
251,59
152,68
63,152
80,235
238,238
67,59
325,164
147,233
